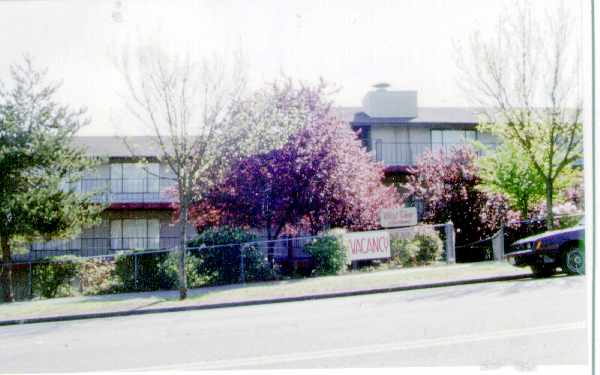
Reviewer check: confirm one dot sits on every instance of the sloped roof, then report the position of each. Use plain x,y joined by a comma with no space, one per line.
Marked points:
113,146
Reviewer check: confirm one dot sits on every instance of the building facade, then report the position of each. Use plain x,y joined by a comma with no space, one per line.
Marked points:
139,207
398,132
138,200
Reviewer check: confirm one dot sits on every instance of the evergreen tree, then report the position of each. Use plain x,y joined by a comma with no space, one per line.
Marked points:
37,164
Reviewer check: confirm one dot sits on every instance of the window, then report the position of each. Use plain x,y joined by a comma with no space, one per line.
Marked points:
128,234
445,139
133,178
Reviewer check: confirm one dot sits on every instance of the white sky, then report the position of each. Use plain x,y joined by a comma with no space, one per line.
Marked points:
353,44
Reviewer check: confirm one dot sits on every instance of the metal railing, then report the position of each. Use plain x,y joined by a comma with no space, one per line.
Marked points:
126,190
96,246
407,153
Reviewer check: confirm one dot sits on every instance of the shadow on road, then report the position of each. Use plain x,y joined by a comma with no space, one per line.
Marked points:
491,289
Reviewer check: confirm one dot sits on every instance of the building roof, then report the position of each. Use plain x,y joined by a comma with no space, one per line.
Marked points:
145,146
425,115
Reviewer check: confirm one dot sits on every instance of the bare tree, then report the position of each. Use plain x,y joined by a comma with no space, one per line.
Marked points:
526,80
185,105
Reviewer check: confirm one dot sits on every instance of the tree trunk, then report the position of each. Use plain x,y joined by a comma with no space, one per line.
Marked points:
6,270
549,204
183,222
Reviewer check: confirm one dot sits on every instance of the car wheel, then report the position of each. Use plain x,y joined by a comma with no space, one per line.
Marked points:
542,270
574,261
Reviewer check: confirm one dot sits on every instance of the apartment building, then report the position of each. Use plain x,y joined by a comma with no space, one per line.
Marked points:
397,131
139,207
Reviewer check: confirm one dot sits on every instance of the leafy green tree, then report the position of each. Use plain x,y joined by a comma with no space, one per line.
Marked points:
504,171
37,163
526,80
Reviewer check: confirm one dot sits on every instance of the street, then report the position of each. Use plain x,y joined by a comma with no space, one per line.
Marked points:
520,324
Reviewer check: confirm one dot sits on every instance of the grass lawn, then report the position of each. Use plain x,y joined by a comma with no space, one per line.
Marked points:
264,290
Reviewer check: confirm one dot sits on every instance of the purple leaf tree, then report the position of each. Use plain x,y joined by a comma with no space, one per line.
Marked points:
321,177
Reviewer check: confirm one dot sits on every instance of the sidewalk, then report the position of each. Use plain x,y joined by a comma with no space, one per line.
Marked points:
354,283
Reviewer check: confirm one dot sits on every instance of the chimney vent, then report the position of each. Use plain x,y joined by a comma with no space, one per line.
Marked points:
382,102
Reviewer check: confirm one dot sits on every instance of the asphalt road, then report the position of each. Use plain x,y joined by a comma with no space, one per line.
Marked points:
521,324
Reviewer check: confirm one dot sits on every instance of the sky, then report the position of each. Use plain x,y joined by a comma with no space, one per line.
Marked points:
352,44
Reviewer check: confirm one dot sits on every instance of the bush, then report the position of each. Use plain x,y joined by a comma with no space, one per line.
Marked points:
149,275
328,253
170,274
221,264
98,276
404,252
429,244
422,245
224,235
53,277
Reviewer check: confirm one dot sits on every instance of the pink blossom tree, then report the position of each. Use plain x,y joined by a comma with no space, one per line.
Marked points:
447,184
321,177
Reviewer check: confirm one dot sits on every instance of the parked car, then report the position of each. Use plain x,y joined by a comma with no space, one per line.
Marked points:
546,252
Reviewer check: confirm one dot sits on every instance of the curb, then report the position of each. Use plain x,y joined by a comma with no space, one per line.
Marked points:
64,318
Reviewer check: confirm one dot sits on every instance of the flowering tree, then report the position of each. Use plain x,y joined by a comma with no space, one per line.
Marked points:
264,120
322,177
447,183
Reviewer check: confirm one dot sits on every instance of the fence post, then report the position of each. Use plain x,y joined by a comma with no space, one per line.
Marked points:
30,277
242,276
290,254
135,271
498,244
450,243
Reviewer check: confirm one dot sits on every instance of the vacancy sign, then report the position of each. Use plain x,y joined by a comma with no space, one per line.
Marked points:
398,217
368,245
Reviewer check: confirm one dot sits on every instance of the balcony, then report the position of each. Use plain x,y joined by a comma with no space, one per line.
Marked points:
128,192
406,154
96,246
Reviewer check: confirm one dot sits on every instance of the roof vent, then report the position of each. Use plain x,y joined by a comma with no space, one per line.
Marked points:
390,103
381,86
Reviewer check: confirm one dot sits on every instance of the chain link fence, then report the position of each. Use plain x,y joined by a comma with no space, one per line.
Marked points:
153,269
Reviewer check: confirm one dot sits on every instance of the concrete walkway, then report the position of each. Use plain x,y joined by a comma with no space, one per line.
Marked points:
353,283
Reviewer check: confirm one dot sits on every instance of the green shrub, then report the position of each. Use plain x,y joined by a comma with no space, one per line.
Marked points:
421,245
224,235
256,266
221,264
98,276
170,273
429,244
328,253
149,275
404,252
53,277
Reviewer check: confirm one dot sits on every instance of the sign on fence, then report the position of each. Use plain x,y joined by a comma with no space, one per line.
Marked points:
367,245
398,217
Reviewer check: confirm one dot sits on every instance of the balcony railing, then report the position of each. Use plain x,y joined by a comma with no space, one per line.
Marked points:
127,190
96,246
395,154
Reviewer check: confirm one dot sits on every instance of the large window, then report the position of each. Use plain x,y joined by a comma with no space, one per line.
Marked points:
134,178
134,234
446,139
